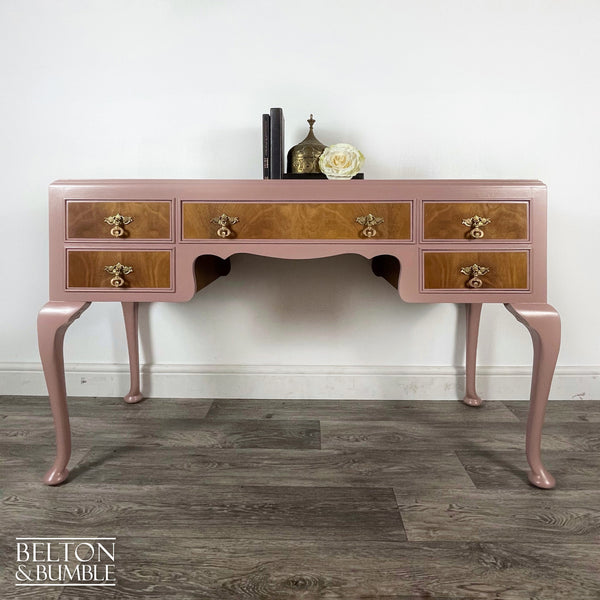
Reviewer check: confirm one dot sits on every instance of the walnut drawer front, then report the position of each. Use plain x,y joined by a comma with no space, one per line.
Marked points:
150,269
444,220
296,220
149,220
507,270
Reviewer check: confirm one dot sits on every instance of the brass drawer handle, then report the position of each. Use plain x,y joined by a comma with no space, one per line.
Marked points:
117,271
223,221
476,223
369,222
117,221
475,272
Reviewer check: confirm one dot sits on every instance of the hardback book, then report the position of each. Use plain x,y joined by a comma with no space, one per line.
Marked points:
266,146
276,163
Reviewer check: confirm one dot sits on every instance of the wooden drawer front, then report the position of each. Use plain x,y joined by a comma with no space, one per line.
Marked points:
444,220
302,221
150,220
85,269
507,270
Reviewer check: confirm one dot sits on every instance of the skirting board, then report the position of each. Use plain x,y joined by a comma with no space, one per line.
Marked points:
301,382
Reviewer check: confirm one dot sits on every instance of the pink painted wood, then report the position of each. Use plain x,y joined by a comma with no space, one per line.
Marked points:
473,317
130,314
408,252
53,321
529,305
543,323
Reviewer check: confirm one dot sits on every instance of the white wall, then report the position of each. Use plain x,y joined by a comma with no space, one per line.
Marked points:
175,89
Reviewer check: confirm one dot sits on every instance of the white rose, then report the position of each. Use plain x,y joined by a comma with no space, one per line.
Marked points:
341,161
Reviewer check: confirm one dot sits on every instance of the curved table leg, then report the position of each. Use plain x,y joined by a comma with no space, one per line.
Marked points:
473,317
543,323
130,314
53,321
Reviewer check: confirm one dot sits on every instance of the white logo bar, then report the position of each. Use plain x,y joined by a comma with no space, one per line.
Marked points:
90,538
65,584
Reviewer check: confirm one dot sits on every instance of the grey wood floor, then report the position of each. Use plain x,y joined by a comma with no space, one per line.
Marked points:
278,500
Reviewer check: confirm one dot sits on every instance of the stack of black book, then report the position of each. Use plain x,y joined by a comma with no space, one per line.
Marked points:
273,149
273,131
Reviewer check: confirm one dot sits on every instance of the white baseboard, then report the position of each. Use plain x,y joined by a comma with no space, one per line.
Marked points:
298,382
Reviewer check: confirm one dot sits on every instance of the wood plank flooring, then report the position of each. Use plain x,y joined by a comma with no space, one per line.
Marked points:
281,500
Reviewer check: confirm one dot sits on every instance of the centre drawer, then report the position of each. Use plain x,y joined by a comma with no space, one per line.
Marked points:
138,220
471,271
296,221
119,269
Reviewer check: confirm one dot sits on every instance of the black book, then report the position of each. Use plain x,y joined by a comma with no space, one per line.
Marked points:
266,146
277,144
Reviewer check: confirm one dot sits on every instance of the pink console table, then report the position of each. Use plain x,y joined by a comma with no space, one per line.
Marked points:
132,241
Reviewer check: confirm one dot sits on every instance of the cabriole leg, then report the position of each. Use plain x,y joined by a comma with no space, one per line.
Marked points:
473,317
543,323
130,314
53,321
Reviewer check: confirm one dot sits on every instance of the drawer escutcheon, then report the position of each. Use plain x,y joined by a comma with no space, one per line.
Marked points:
475,272
117,221
224,220
476,223
370,222
117,271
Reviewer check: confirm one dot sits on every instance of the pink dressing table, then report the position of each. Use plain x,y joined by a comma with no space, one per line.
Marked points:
132,241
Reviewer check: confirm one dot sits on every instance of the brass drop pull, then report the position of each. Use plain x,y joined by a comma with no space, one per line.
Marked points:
224,220
117,221
370,222
117,271
475,272
476,223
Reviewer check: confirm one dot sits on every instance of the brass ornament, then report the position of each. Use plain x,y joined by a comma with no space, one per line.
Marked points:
476,223
304,157
117,271
224,220
369,222
475,272
118,221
